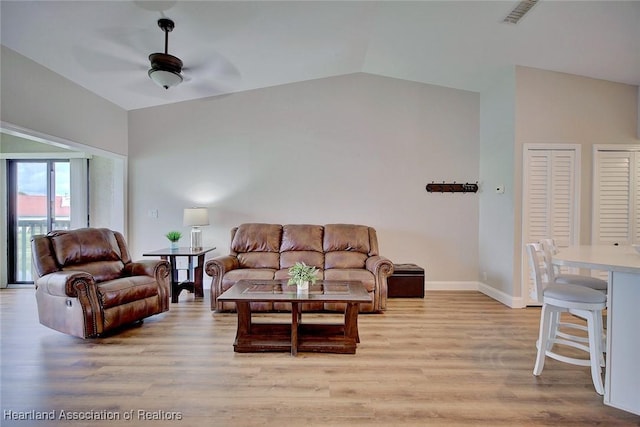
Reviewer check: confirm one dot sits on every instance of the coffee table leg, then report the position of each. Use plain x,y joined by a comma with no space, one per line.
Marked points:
244,319
351,321
295,320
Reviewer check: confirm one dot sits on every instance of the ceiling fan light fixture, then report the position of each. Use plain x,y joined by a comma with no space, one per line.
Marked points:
165,69
164,78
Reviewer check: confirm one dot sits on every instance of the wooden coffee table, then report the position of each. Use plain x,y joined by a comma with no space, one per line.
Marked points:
296,336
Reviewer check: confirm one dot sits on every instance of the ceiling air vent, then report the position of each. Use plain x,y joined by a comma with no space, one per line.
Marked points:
519,11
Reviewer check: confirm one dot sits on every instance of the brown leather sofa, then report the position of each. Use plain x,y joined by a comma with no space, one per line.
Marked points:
266,251
86,284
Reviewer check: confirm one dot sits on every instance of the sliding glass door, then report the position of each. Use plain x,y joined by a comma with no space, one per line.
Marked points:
39,200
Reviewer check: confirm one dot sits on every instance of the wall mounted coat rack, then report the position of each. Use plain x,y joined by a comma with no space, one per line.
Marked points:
453,187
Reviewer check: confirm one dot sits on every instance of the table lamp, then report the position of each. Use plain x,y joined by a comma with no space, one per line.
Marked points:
195,218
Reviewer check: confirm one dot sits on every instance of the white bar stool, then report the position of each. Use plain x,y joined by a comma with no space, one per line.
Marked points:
554,276
578,300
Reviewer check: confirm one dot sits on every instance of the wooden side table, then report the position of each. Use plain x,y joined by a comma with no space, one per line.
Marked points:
193,283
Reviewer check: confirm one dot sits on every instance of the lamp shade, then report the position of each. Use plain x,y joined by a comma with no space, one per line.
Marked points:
196,217
165,79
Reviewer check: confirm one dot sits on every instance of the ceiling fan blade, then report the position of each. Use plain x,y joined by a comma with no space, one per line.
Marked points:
155,6
212,74
95,61
214,63
134,41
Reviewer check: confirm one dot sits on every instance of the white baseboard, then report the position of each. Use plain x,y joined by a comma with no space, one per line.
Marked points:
451,286
498,295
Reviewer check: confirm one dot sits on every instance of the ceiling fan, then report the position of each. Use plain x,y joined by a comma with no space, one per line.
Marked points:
165,69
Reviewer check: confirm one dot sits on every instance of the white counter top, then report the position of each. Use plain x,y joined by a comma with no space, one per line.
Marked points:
624,259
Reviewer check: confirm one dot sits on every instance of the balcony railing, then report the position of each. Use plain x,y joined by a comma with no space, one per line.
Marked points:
26,229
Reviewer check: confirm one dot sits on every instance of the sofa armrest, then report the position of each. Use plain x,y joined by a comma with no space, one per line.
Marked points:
379,264
221,264
158,269
381,268
216,268
65,283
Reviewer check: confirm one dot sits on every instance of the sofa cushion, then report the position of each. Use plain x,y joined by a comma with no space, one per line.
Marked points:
311,258
259,260
344,259
126,290
231,277
284,274
366,277
257,238
346,237
301,237
257,245
85,245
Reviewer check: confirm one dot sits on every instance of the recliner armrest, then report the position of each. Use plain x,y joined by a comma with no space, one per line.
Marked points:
65,283
154,268
159,270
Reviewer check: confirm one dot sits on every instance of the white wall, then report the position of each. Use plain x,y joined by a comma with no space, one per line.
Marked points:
38,103
357,148
107,186
496,218
35,98
563,108
528,105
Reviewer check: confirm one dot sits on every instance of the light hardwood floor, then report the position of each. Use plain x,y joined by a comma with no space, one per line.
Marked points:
453,358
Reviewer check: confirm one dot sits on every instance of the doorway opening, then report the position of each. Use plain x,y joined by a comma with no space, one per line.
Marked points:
39,201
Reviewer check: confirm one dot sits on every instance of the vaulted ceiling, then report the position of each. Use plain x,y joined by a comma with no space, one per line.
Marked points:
230,46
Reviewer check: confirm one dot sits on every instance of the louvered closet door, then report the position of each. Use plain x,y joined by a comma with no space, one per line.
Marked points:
616,196
549,202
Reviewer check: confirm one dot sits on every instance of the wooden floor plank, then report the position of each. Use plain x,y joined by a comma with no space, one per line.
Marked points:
451,359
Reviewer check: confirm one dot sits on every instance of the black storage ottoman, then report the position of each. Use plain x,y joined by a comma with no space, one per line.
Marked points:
407,281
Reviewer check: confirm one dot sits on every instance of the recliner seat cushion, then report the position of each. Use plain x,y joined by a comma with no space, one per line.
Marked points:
126,290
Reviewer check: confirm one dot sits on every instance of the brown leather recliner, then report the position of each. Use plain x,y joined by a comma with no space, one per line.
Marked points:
87,285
